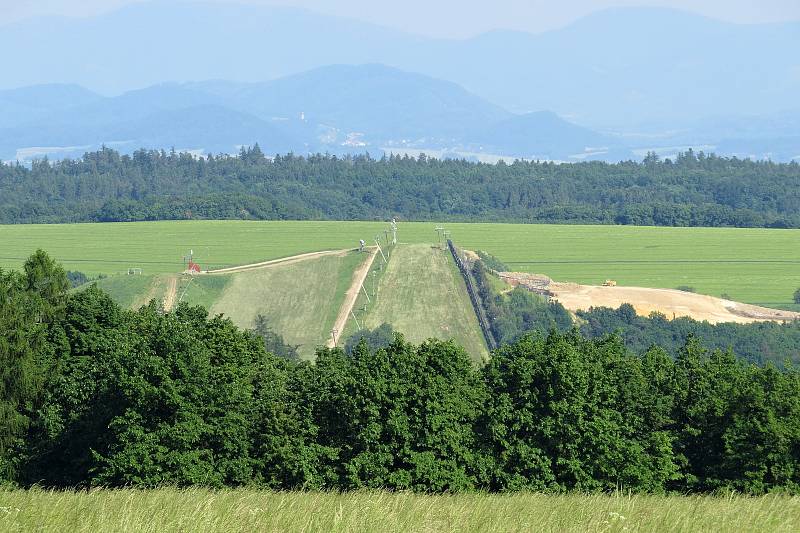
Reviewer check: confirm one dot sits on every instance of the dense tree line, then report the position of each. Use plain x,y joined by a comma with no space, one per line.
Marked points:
693,190
758,342
91,394
518,311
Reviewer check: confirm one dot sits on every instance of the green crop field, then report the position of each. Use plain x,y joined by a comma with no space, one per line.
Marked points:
167,510
159,247
751,265
422,294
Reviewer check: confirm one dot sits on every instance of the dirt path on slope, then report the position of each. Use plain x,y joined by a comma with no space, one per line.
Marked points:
172,292
670,302
276,262
351,296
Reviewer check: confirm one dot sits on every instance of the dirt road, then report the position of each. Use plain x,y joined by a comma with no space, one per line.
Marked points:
669,302
351,296
171,294
275,262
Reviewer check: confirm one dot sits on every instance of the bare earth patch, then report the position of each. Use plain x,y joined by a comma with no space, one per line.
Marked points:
351,295
670,302
172,293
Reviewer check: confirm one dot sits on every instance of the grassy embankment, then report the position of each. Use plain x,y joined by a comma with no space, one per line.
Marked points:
300,300
166,510
750,265
422,294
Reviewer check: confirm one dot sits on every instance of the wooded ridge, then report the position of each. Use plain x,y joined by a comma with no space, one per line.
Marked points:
694,190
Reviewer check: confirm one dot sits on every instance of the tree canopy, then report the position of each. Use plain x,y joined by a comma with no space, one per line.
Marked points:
101,396
695,189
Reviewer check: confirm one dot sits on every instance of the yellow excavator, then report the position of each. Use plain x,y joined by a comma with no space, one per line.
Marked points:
609,283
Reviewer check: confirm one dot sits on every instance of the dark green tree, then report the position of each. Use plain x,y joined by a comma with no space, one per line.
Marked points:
46,278
21,366
400,417
274,342
566,413
378,338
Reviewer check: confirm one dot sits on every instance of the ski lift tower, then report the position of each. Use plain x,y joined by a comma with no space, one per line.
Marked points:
188,259
439,231
394,230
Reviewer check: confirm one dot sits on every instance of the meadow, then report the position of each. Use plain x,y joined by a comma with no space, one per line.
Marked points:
750,265
299,300
134,291
200,510
422,294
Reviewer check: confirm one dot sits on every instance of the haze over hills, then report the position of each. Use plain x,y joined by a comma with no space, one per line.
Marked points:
647,78
377,100
330,109
639,63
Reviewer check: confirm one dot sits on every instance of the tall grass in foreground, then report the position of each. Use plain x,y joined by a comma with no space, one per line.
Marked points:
248,510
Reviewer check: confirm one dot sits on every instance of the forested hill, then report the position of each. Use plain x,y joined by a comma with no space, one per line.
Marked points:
694,190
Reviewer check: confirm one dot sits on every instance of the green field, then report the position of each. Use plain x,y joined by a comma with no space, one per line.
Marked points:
422,294
167,510
751,265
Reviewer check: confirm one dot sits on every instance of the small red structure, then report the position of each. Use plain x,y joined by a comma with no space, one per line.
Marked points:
193,268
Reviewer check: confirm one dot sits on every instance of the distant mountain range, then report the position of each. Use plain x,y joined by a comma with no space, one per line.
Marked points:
346,109
333,109
615,67
623,81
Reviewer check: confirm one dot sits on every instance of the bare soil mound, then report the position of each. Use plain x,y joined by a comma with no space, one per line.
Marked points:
669,302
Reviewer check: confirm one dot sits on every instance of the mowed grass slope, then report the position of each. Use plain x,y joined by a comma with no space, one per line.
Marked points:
751,265
168,510
422,295
300,300
135,291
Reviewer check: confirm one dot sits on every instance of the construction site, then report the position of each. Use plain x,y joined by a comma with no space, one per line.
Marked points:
672,303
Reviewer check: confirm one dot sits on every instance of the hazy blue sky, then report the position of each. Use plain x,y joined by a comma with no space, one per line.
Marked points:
451,18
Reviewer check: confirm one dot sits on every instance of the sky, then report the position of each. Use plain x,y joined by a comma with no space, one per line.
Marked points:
450,18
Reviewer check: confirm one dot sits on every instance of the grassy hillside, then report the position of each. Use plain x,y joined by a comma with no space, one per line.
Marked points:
166,510
202,290
751,265
135,291
422,295
300,300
